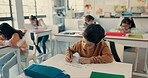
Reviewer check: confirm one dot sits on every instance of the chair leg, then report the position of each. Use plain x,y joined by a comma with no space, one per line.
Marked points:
35,60
136,61
27,62
22,67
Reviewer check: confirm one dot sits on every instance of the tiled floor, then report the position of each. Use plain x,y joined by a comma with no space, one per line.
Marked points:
128,58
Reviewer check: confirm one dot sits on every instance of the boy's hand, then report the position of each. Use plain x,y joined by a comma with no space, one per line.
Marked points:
68,59
84,60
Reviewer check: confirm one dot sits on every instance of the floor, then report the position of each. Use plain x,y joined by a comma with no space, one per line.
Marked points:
128,58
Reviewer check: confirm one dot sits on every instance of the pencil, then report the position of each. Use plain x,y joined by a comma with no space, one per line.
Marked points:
69,53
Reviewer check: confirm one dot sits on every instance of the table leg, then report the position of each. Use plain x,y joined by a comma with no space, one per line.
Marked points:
56,47
145,65
19,61
52,53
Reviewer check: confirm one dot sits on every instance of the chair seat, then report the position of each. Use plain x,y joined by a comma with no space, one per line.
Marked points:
132,49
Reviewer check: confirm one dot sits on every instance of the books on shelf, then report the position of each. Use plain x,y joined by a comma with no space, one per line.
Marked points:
144,14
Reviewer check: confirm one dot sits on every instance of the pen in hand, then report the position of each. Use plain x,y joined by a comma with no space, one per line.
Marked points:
69,53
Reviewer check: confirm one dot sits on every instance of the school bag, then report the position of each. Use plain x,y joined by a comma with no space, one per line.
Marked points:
42,71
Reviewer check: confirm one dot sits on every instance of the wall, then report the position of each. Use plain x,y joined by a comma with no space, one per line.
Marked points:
109,23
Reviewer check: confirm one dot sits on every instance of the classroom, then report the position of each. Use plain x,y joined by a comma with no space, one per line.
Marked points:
74,39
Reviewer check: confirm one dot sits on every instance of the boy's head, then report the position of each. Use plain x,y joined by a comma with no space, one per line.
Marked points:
89,19
92,35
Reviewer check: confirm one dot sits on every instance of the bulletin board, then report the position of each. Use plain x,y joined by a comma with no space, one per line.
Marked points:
99,7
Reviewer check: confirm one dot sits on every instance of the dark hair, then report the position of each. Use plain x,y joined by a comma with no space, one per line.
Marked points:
94,33
89,17
33,18
8,31
126,20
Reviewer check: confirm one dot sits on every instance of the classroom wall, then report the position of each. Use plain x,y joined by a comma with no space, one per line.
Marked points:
109,23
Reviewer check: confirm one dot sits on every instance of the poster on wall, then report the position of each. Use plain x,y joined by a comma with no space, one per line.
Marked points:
141,1
89,7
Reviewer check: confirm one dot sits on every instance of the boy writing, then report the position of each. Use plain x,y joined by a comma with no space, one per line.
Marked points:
92,47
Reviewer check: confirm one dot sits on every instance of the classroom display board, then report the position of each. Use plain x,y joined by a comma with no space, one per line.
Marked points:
99,7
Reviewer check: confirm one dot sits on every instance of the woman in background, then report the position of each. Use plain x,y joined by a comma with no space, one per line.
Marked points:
36,23
11,37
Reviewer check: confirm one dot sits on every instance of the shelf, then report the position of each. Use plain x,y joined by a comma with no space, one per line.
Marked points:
59,7
125,16
60,16
134,16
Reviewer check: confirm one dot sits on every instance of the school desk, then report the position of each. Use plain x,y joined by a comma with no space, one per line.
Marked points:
7,49
40,32
84,71
133,42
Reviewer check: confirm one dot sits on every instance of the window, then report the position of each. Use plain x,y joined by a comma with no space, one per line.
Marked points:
34,7
6,12
77,5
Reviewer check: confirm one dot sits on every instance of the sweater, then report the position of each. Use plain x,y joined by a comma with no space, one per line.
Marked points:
101,54
15,41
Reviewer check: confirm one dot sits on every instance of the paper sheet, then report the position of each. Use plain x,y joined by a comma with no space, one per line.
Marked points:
75,64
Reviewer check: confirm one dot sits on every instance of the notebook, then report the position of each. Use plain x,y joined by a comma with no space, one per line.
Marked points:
105,75
135,36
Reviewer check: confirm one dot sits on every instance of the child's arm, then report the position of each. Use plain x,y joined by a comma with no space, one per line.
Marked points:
73,49
42,22
15,40
106,57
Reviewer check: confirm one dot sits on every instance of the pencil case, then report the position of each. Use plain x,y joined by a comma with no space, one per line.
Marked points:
115,34
42,71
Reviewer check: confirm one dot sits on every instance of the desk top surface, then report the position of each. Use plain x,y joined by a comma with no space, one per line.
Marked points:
76,70
1,47
145,36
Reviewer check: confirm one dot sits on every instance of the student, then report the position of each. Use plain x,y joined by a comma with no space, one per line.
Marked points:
42,39
11,37
88,20
127,26
91,47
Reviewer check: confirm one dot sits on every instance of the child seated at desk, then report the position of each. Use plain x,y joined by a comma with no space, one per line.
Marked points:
127,26
10,37
92,47
42,39
88,20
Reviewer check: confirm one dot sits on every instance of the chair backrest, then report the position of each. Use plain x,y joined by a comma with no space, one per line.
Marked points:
31,46
119,49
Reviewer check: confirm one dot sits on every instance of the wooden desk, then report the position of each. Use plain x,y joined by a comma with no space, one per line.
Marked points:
7,49
134,42
113,68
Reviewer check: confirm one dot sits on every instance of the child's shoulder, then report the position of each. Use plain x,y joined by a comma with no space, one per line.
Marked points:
102,42
15,34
